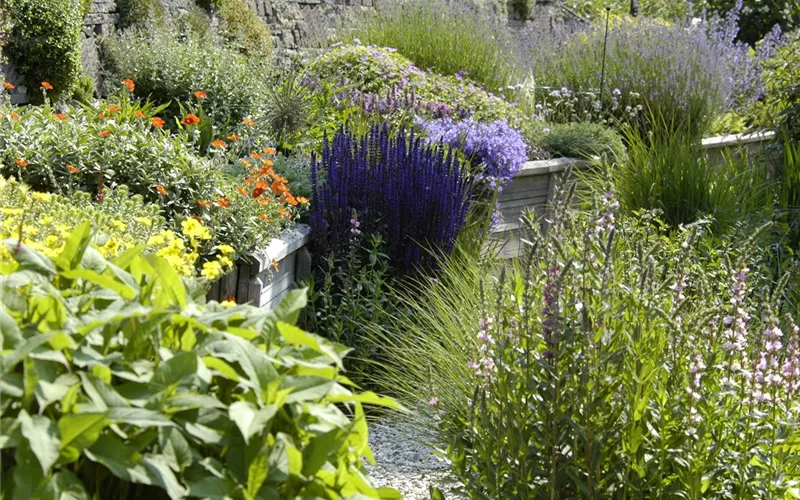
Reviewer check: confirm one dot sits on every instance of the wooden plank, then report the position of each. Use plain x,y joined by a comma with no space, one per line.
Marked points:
277,288
227,285
213,293
243,284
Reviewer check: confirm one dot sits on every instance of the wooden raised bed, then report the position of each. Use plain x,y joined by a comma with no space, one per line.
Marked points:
255,280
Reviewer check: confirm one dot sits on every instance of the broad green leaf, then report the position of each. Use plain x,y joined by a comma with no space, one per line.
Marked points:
177,449
175,369
76,244
92,260
64,485
9,361
42,435
170,282
10,335
285,460
362,431
60,341
319,449
249,418
10,434
48,393
29,259
140,417
120,458
211,487
102,394
183,402
102,281
289,308
159,472
79,431
257,473
307,388
125,259
27,474
254,362
294,335
367,397
222,367
203,433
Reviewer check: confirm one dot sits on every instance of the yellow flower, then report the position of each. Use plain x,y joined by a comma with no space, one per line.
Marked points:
52,240
41,196
193,229
118,224
156,240
225,249
212,270
225,261
227,304
47,220
11,211
145,221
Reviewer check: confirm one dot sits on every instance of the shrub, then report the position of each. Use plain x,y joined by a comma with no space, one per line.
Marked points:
140,13
243,29
443,37
168,67
782,90
92,149
45,44
414,196
123,385
360,85
84,90
583,139
681,74
757,18
618,358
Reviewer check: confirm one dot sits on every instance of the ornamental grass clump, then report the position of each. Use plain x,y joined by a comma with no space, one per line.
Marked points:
615,358
443,37
416,197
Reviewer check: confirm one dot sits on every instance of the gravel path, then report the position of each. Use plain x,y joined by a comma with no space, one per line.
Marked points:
404,462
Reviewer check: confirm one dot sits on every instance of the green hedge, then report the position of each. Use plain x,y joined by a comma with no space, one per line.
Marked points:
45,44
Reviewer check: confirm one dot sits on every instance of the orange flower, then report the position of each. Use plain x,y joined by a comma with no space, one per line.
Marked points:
9,85
72,169
274,264
268,163
14,116
246,163
129,83
112,109
161,190
204,203
255,155
218,144
157,122
224,202
200,94
278,187
257,192
241,191
139,114
21,162
263,201
278,178
289,198
264,217
269,151
230,298
303,200
285,213
190,119
105,133
248,121
60,116
233,137
47,86
101,115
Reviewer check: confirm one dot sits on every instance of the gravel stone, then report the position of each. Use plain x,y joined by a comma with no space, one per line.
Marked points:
403,461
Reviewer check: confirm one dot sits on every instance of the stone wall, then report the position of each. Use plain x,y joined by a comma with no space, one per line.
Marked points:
101,20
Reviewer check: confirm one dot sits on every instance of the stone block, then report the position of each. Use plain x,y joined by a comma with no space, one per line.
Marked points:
101,19
90,59
103,8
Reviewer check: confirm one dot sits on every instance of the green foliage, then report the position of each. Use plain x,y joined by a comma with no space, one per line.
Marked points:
45,44
443,37
757,18
582,139
243,29
169,66
781,75
675,176
140,13
601,364
119,383
349,293
789,191
289,108
84,89
661,9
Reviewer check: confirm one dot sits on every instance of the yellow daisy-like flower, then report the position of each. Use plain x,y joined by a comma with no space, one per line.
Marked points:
212,270
227,304
225,249
193,229
145,221
119,224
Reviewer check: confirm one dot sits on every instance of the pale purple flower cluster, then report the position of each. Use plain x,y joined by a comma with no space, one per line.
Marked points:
605,222
496,148
485,366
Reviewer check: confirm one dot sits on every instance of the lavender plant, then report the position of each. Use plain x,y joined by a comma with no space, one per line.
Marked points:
617,359
416,197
